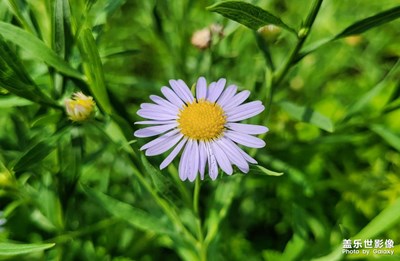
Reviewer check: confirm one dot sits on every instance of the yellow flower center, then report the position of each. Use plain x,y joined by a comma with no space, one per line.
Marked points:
202,120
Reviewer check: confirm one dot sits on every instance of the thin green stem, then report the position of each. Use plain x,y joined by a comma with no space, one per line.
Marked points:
196,197
200,236
302,34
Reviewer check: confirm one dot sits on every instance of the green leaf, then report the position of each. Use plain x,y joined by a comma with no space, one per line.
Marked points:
15,79
389,217
94,69
36,48
382,86
223,198
39,151
265,171
370,22
21,10
13,101
11,249
117,52
34,155
356,28
247,14
161,183
306,114
134,216
393,139
58,36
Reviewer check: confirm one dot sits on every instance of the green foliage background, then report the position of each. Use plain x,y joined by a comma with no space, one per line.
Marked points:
85,191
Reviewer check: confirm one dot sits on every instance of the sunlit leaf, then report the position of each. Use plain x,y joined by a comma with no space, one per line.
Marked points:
262,170
247,14
370,22
13,101
36,48
11,249
306,114
393,139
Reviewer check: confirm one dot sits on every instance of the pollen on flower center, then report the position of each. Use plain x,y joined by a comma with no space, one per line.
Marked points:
202,120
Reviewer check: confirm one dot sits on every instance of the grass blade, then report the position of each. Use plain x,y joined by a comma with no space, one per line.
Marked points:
94,69
390,137
11,249
370,22
15,79
382,222
134,216
36,48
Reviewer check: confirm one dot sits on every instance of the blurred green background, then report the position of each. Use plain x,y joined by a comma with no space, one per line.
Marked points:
88,189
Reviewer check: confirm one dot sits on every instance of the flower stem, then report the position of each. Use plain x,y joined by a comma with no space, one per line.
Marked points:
196,197
200,236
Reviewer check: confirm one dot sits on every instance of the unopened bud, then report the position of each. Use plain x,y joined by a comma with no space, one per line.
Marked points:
270,32
202,38
80,107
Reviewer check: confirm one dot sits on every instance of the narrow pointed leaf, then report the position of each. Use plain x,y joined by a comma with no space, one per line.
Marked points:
247,14
306,114
265,171
34,155
359,105
393,139
11,249
386,219
371,22
94,69
134,216
13,101
36,48
15,79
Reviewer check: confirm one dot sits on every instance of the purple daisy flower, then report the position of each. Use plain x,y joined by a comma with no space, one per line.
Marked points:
205,127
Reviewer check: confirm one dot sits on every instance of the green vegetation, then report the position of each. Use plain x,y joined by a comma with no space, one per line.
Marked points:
328,74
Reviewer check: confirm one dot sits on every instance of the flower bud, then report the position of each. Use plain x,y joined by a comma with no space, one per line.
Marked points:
270,32
201,38
80,107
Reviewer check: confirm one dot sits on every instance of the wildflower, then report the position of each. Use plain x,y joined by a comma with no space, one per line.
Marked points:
205,127
80,107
